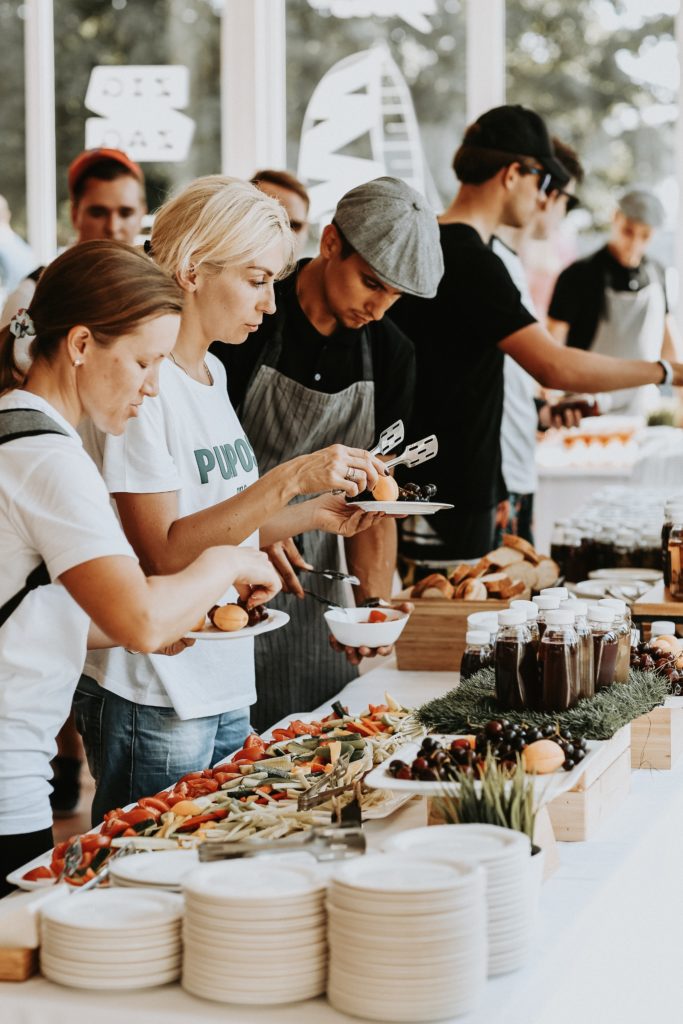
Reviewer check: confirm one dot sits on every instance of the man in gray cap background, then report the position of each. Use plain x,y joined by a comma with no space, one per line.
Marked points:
614,301
327,368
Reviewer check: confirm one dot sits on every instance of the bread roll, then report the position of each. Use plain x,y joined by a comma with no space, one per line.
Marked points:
505,557
523,546
495,582
547,573
434,586
472,590
460,573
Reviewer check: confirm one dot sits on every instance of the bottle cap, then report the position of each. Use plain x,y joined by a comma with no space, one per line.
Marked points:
547,602
613,602
528,607
483,620
561,617
477,637
663,628
512,617
560,592
580,608
598,614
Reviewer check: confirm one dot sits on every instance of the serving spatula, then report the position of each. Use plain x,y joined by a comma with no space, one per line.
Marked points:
417,453
389,439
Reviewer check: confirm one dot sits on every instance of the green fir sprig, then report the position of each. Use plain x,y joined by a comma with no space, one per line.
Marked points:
472,704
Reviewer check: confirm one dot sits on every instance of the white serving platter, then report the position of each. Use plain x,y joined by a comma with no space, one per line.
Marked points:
276,620
402,508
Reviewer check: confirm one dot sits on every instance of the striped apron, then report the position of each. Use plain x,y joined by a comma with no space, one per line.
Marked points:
296,669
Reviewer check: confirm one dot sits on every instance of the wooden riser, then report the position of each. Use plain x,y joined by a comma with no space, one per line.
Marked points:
18,964
657,738
577,815
434,637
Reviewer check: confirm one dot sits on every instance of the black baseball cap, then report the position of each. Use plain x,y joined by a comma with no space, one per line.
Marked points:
521,132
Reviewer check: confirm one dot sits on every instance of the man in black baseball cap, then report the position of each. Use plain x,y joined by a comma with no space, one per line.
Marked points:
461,336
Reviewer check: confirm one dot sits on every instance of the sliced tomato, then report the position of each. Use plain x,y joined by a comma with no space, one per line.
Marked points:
200,819
190,776
35,874
283,734
155,803
94,841
137,814
377,709
377,616
114,827
363,729
253,740
300,728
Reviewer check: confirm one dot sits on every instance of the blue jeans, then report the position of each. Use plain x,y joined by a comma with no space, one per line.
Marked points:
137,750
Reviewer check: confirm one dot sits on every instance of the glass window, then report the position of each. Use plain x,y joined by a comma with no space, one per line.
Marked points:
12,114
370,94
133,32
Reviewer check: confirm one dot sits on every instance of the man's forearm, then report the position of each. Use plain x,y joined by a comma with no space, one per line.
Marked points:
371,556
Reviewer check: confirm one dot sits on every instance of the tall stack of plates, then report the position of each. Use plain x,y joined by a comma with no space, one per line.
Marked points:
254,932
506,856
111,939
407,938
156,870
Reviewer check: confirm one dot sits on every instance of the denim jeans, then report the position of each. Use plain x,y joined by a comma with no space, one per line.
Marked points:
137,750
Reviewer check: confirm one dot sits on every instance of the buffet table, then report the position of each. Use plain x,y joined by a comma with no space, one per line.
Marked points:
607,946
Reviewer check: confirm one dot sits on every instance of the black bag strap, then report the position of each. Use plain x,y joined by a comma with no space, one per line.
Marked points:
35,274
16,423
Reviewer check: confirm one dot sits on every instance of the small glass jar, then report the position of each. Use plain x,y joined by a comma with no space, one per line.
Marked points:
574,566
605,646
625,547
558,662
585,635
675,547
558,548
478,653
545,603
515,662
484,622
531,612
622,627
673,513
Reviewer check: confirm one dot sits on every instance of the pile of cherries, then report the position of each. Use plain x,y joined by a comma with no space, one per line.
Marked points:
647,658
442,762
415,492
256,614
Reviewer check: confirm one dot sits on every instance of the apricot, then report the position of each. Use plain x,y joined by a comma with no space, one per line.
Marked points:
667,644
386,489
542,757
199,625
228,617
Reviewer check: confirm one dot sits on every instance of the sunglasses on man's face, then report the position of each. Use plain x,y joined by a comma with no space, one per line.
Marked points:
572,200
544,178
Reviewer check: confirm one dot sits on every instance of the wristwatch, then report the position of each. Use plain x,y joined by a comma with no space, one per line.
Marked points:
668,373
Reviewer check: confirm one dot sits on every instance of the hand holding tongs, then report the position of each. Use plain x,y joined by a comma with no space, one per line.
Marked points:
329,842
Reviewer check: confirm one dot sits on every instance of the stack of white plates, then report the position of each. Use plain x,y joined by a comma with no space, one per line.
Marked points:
407,938
111,939
506,856
262,919
157,869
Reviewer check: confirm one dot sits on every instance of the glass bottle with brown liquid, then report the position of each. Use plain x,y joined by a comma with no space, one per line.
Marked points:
675,547
605,646
558,662
478,653
545,603
515,662
585,637
531,612
622,627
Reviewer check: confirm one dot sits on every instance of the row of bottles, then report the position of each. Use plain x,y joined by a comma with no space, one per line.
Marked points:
551,652
581,548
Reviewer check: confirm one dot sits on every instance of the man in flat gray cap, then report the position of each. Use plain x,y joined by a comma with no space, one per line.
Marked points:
327,368
614,301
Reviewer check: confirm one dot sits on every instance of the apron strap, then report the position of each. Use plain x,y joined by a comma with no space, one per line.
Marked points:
14,424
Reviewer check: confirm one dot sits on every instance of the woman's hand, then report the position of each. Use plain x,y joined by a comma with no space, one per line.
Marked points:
255,580
337,468
286,558
334,515
177,647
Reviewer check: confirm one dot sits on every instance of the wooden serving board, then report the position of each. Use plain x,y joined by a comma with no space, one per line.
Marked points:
433,639
657,603
657,738
18,964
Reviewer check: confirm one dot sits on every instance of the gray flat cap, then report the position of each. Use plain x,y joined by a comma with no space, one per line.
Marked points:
644,207
395,230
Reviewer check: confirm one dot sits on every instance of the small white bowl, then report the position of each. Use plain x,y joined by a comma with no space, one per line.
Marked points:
351,627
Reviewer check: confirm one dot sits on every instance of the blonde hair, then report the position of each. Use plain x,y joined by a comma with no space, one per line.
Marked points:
217,222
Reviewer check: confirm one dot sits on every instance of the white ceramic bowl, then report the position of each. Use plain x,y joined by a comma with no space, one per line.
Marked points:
351,627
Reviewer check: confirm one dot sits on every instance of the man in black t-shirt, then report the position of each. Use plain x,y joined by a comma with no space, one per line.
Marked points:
504,163
614,301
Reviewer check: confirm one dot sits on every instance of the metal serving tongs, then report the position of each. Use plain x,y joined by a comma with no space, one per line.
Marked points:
389,439
417,453
325,843
334,574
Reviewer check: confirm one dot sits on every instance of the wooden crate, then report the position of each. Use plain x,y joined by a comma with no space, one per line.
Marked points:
657,603
434,637
576,815
17,964
657,738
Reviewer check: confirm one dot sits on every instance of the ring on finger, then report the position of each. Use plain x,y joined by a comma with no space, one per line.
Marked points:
350,475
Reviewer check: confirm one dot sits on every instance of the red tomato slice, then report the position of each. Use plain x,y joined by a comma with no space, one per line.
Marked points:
155,803
253,740
35,874
90,843
377,616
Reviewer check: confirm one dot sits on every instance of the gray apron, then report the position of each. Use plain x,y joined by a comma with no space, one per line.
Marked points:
296,669
632,327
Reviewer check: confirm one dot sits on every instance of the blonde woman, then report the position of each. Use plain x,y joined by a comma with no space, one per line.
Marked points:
184,477
100,323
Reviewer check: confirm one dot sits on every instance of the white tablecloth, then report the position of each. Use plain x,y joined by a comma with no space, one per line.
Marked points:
607,950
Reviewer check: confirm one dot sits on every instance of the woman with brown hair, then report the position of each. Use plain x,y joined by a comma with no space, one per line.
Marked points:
102,319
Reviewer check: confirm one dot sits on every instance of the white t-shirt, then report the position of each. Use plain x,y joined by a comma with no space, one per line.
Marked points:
187,440
54,507
520,418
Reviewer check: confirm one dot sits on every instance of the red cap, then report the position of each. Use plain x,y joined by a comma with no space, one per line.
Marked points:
88,157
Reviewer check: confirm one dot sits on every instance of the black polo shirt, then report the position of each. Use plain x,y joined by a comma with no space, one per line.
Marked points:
327,363
459,382
579,295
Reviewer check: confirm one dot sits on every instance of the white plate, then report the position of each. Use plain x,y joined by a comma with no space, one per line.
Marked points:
165,868
646,575
113,984
485,844
258,881
546,787
388,873
69,965
402,508
276,620
113,910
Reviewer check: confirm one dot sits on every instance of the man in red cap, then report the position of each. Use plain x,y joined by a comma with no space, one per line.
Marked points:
107,191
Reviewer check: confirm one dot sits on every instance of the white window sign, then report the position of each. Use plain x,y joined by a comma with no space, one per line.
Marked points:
139,107
413,12
365,98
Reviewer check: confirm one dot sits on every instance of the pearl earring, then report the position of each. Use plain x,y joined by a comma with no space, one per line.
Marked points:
78,362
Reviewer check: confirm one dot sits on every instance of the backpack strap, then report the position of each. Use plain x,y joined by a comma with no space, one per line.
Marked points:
14,424
35,274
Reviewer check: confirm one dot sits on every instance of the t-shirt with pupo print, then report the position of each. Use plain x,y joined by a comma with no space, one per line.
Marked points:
188,439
